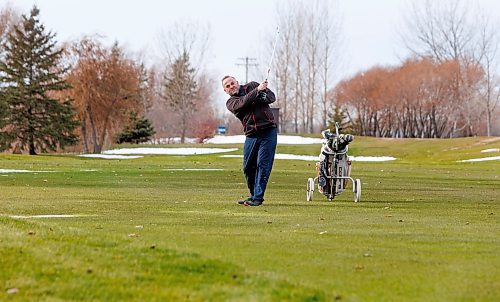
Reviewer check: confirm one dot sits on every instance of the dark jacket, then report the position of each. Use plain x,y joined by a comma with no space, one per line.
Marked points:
251,109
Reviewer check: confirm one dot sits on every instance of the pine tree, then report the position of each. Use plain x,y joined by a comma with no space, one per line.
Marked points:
139,130
5,135
181,90
30,77
339,115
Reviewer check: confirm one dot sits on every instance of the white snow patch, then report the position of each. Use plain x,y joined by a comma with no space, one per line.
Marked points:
173,140
14,171
46,216
169,151
109,156
479,159
490,150
296,157
282,139
298,140
371,158
220,139
208,169
22,171
316,158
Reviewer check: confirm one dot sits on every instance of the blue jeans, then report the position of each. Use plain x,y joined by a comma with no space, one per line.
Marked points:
258,158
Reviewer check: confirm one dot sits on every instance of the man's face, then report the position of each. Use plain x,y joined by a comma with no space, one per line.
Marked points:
230,86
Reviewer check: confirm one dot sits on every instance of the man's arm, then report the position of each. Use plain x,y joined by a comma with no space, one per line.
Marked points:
238,103
267,96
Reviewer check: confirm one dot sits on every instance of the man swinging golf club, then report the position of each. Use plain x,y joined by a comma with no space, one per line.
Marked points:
250,104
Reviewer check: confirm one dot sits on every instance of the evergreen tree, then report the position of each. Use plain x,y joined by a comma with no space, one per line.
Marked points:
339,115
139,130
5,135
30,77
181,90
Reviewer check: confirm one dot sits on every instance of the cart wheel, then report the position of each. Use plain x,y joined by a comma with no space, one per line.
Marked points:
310,189
357,190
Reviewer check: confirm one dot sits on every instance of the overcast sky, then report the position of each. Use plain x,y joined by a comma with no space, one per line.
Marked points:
237,26
367,29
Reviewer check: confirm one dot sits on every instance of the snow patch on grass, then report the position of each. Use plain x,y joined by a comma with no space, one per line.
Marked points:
200,169
168,151
46,216
479,159
22,171
316,158
490,150
110,156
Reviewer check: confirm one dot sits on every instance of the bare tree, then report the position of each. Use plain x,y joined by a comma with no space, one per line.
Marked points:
189,42
455,30
283,67
440,29
488,51
186,37
180,91
312,45
309,34
331,35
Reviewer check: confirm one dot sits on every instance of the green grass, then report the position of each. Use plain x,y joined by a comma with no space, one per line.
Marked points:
427,228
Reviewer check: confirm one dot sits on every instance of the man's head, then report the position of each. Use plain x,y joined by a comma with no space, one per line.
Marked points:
230,85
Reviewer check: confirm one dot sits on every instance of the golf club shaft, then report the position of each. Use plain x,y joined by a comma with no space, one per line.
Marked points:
272,55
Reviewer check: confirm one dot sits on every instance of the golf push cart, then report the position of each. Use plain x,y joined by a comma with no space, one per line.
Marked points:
334,168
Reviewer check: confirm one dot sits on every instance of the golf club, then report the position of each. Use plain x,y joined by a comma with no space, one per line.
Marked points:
274,50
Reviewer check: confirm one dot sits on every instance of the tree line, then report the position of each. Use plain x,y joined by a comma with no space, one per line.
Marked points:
88,95
420,99
447,87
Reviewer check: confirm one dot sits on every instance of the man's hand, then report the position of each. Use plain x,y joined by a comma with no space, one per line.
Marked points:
262,95
262,86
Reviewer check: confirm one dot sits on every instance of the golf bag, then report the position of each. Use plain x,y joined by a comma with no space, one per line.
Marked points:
333,155
334,167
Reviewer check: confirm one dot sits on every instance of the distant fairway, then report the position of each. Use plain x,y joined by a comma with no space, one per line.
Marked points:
167,228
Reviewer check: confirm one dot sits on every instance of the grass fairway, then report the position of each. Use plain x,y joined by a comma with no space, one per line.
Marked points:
427,228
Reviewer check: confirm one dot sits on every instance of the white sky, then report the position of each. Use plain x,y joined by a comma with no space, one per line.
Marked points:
369,27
